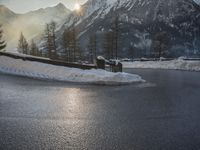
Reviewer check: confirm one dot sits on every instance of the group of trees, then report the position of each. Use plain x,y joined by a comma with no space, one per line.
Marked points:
70,42
92,47
73,53
25,48
23,45
71,45
71,50
111,41
32,48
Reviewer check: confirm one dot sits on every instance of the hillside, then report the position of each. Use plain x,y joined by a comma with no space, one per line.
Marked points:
31,24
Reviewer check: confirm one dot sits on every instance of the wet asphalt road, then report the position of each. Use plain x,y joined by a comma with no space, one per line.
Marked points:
162,114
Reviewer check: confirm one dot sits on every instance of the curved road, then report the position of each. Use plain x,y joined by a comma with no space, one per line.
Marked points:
163,113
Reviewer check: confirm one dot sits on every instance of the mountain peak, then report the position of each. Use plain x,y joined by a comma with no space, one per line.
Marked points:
3,7
5,10
60,5
59,8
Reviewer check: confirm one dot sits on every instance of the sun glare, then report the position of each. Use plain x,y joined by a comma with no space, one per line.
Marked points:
77,6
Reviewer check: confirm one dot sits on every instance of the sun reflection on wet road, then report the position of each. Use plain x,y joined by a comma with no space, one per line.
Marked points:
72,98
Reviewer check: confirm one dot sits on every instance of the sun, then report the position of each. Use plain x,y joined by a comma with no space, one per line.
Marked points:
77,7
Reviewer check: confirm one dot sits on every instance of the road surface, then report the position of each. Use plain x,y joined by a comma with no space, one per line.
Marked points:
163,113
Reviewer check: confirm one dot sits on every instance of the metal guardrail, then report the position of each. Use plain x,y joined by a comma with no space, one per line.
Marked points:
163,59
192,59
47,61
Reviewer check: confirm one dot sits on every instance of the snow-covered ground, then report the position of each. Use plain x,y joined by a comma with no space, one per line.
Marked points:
51,72
178,64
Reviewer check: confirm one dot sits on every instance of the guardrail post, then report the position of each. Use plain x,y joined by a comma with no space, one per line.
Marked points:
117,67
101,64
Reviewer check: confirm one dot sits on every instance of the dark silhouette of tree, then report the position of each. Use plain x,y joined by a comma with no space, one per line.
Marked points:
132,52
109,45
74,43
34,49
71,44
78,54
23,45
111,40
92,48
2,42
48,40
66,44
116,36
161,43
51,40
52,29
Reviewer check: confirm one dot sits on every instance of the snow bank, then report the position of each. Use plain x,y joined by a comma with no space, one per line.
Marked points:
178,64
51,72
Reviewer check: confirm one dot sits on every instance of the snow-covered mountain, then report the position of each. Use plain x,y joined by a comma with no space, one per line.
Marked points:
57,13
197,1
140,20
31,23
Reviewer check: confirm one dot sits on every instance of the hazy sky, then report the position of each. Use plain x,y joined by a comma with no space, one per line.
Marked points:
22,6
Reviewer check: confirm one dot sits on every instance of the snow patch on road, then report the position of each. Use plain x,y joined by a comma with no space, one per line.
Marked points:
51,72
178,64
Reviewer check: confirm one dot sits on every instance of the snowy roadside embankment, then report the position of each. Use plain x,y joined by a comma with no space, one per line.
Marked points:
178,64
51,72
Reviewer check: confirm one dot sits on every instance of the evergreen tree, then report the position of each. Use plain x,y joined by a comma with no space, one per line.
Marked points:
53,36
23,45
51,40
71,45
66,44
48,41
2,43
160,44
116,36
109,45
34,49
131,52
74,43
93,48
111,40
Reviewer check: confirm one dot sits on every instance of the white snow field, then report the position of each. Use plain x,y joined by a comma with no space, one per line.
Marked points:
51,72
178,64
